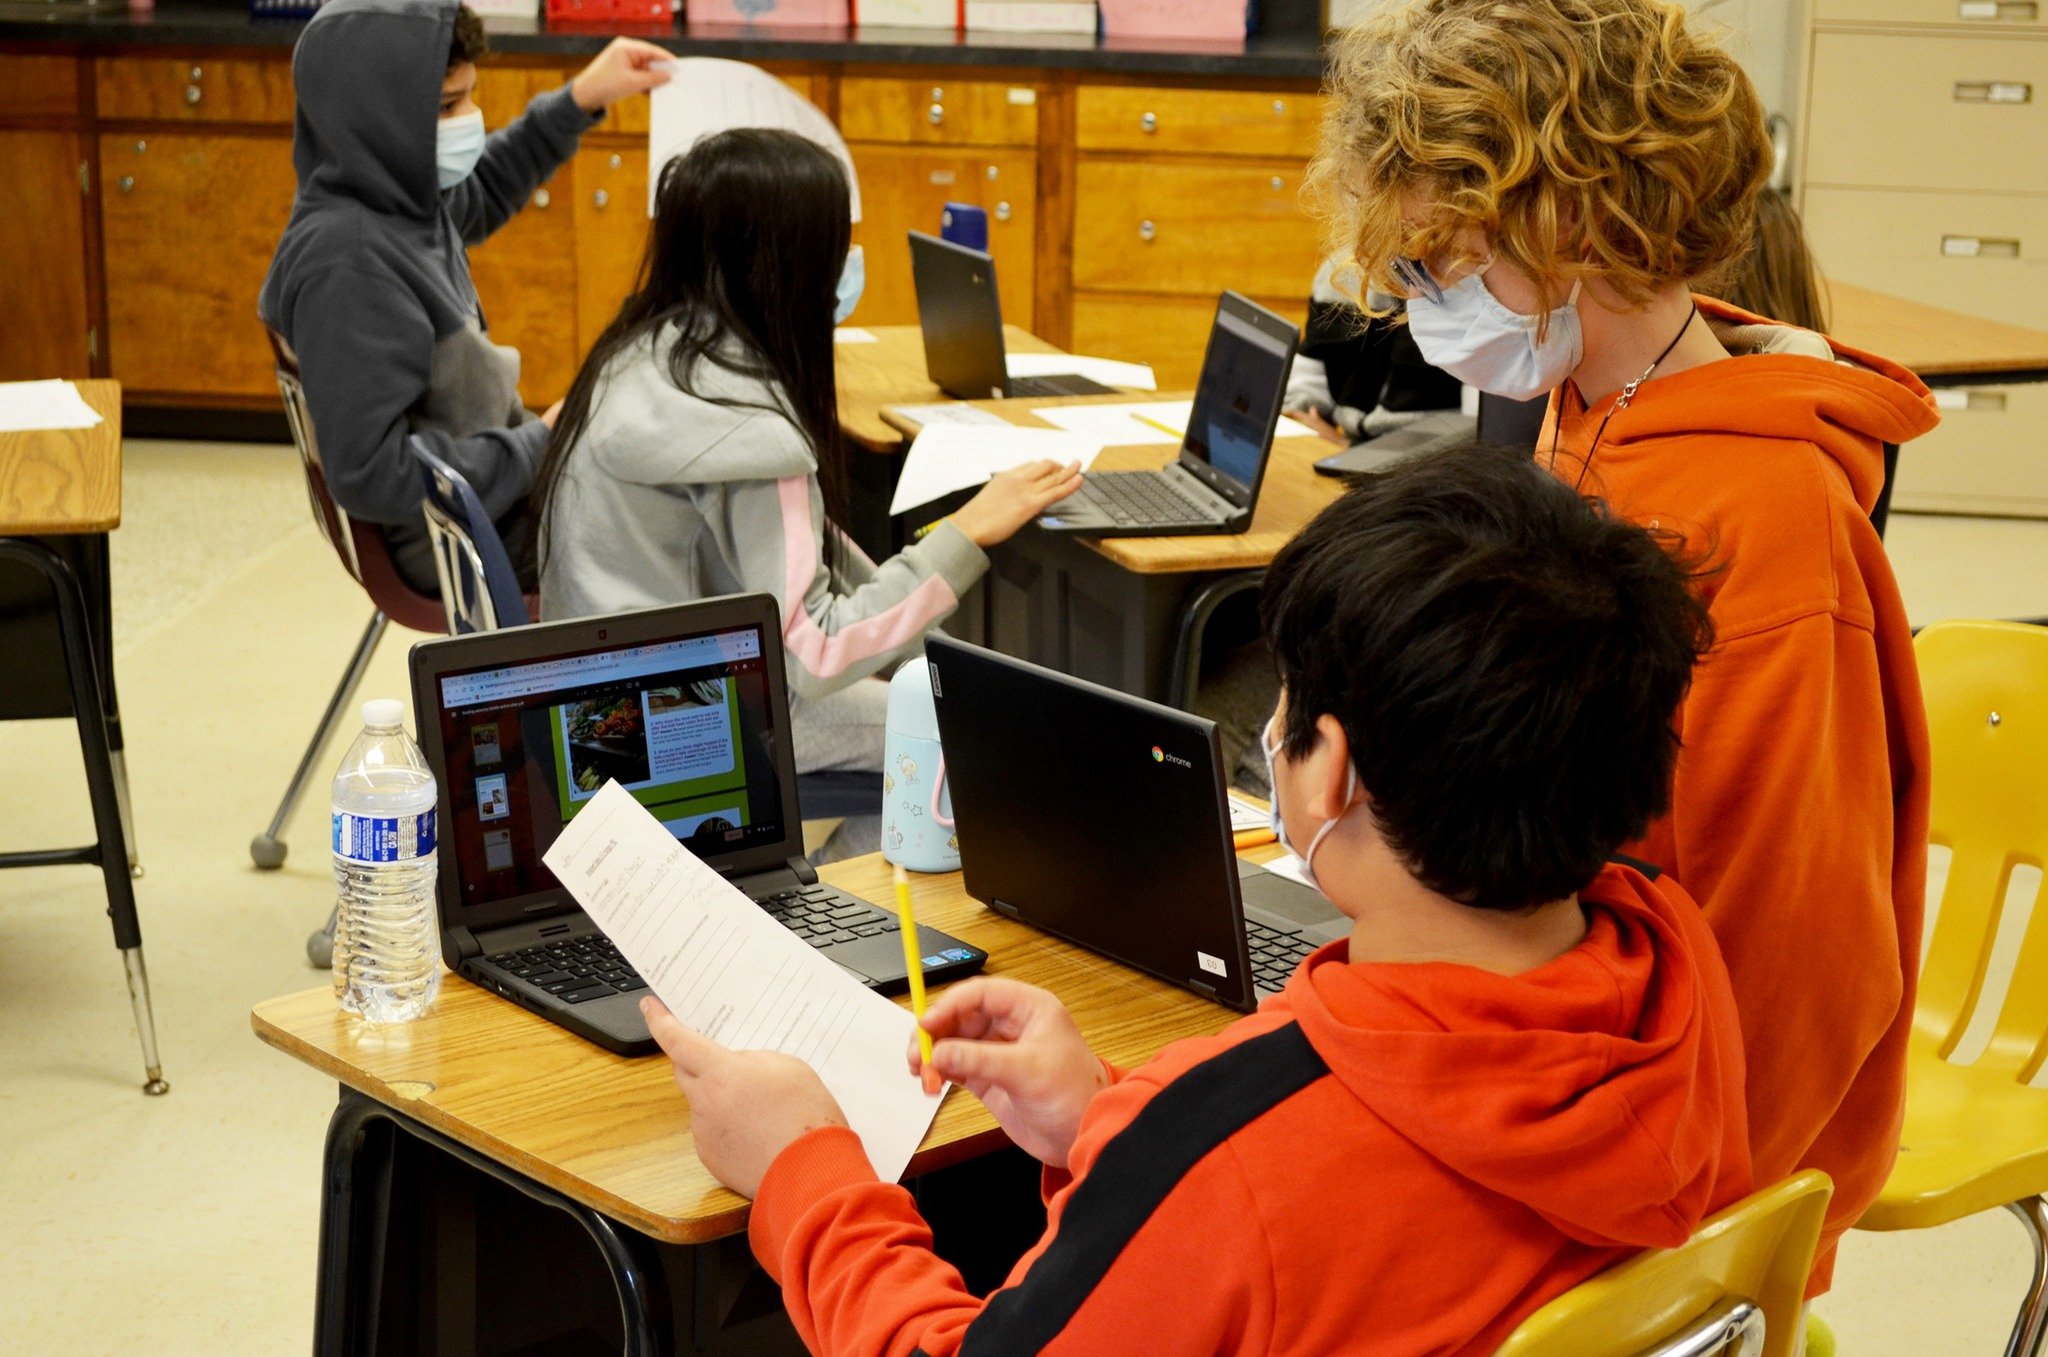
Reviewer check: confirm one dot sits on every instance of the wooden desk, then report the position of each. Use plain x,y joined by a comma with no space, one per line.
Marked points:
1944,348
613,1134
60,481
891,371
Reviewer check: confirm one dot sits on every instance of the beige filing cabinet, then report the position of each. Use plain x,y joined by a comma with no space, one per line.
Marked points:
1925,174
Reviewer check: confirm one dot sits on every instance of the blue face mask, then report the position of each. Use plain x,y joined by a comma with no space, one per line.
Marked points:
1271,747
458,145
853,280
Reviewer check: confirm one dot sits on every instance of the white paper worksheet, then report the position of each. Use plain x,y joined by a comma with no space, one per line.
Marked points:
710,94
53,404
948,457
1118,425
729,971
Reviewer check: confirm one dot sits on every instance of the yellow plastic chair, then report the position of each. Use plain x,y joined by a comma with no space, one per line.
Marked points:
1735,1287
1976,1135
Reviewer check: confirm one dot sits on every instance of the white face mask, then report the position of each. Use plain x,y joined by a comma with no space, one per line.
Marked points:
1270,747
853,280
1470,334
458,145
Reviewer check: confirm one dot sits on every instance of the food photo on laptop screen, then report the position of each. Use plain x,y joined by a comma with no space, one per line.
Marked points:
527,745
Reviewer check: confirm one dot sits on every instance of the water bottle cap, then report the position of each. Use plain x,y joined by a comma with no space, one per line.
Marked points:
384,713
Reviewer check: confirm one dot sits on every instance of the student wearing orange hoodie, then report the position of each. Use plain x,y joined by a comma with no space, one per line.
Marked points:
1521,1066
1542,180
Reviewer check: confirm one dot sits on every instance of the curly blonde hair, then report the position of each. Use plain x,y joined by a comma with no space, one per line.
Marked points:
1586,139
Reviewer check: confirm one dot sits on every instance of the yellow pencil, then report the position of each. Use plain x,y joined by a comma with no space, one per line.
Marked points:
1163,428
912,962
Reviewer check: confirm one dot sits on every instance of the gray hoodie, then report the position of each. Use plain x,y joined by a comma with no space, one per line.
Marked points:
668,497
370,283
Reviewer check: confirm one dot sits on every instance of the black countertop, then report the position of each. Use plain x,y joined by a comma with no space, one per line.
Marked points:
194,23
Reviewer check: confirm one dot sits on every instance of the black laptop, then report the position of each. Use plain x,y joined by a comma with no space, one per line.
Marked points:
1101,819
1501,423
1213,486
961,315
685,706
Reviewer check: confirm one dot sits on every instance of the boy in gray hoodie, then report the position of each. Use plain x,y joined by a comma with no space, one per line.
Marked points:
370,283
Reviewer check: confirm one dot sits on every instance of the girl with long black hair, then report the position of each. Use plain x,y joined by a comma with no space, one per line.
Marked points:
699,450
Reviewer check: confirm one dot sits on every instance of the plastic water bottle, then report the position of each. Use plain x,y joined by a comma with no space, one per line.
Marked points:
387,947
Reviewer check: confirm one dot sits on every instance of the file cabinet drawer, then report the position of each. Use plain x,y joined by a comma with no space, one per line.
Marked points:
1197,122
1989,455
948,112
1192,228
39,86
1170,333
195,89
1985,254
1900,111
1991,14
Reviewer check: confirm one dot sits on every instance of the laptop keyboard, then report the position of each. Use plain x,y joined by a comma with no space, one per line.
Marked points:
581,969
1275,954
1061,384
1137,497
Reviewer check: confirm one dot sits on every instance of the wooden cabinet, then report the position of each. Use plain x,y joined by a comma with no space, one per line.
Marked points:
1195,227
1197,122
188,222
194,89
35,87
904,189
611,234
47,329
526,279
2013,15
938,112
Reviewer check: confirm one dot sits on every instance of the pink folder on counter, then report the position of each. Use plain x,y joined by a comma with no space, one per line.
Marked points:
1200,19
770,13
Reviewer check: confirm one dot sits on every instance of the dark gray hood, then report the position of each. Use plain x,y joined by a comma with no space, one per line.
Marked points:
368,75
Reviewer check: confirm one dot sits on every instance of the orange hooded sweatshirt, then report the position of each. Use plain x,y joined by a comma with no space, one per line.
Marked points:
1799,811
1462,1146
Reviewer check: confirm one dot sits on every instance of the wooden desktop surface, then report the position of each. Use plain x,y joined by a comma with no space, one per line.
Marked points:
1932,341
56,481
891,371
614,1134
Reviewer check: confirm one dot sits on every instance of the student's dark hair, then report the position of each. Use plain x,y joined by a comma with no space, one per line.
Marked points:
1506,659
750,235
468,42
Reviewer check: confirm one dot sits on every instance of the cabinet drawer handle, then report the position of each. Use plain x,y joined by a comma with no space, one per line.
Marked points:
1964,398
993,173
600,199
936,114
1147,231
541,197
1980,247
192,94
127,183
1150,122
617,161
1002,211
1994,92
196,73
1278,183
1279,108
2008,11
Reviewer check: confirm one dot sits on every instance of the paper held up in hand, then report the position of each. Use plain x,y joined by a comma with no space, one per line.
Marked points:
710,94
730,972
1108,371
948,457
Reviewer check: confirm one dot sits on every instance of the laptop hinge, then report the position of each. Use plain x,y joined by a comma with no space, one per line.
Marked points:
467,948
800,866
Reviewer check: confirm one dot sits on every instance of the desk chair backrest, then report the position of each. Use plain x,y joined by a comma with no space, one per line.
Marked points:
478,586
1985,686
1735,1287
361,546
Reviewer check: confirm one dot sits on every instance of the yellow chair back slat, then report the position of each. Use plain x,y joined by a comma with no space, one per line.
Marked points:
1759,1250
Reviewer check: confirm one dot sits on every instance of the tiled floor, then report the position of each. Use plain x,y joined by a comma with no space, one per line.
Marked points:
186,1224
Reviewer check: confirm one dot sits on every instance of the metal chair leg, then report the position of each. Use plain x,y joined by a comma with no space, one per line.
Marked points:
127,808
2031,1326
267,849
145,1020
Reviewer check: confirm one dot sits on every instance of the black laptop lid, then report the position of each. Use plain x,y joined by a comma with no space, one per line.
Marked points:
1093,815
1237,400
961,316
685,706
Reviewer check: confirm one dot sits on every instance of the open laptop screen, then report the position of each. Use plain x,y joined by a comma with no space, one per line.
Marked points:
686,724
1237,400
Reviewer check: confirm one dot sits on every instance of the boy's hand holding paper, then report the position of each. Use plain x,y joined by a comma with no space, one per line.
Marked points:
742,985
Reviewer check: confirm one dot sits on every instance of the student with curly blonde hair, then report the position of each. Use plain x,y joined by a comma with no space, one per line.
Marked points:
1543,180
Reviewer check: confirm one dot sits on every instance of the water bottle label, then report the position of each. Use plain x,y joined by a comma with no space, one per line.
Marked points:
383,838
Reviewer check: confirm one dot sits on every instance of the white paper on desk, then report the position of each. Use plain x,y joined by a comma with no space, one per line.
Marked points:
53,404
1290,867
948,457
1108,371
729,971
853,334
709,94
951,412
1245,815
1118,425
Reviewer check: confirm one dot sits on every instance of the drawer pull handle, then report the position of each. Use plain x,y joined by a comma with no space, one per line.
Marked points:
1994,92
1278,183
1962,398
600,199
127,183
993,173
617,161
541,197
1150,122
1147,231
1980,247
1279,108
141,147
196,73
938,95
191,94
2008,11
936,114
1002,211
